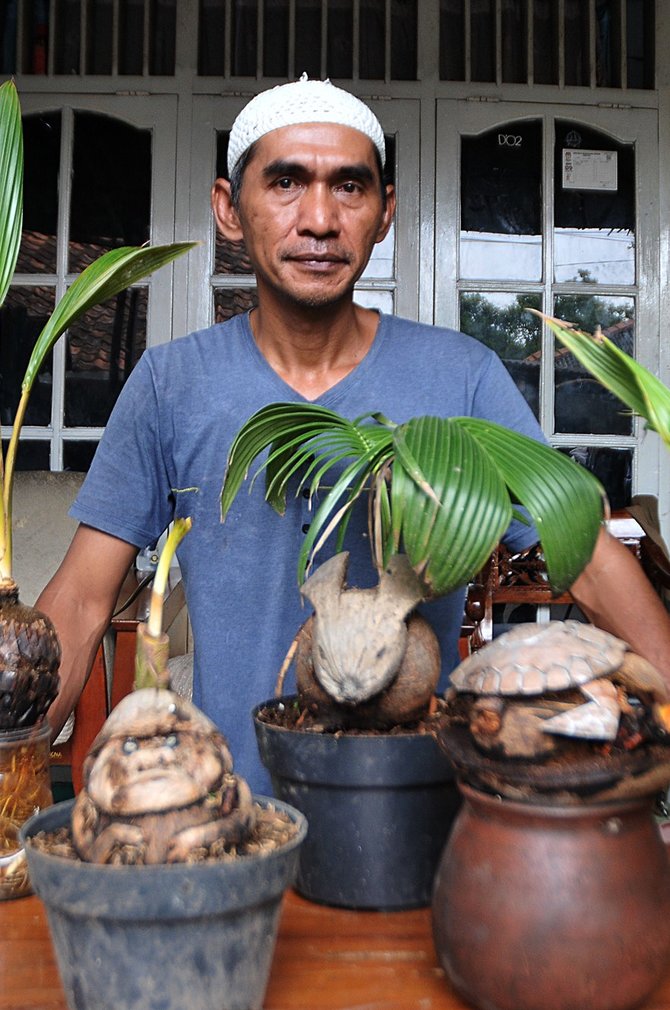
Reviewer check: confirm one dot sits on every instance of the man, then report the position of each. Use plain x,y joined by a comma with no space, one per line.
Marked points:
307,197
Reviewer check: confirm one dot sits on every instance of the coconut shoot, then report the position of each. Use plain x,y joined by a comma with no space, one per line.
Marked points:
151,656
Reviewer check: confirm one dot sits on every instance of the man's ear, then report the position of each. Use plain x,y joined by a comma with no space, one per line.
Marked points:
389,211
225,215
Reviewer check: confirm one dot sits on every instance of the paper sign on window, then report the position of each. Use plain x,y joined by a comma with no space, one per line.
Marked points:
589,169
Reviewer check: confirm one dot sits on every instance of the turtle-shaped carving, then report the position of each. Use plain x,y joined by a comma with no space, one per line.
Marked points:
364,658
159,786
542,682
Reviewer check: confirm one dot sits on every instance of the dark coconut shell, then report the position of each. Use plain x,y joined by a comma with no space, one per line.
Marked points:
29,659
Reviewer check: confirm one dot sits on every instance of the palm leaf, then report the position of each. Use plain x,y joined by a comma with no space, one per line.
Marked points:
634,384
11,184
564,500
450,519
107,276
453,484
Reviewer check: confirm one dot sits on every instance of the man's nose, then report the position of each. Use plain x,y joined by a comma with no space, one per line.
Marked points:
318,211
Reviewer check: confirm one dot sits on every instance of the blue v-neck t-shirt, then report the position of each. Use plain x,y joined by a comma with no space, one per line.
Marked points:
163,454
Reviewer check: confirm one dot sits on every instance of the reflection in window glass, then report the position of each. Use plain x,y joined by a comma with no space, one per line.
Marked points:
22,318
582,404
612,467
381,300
102,349
594,207
41,147
501,203
502,322
230,302
111,187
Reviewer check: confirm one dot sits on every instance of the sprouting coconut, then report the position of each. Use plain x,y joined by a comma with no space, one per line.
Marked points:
441,493
29,649
159,785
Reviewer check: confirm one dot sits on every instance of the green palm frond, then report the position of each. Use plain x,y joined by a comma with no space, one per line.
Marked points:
634,384
453,483
11,184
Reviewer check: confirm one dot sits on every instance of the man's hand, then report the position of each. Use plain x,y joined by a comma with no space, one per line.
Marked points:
80,599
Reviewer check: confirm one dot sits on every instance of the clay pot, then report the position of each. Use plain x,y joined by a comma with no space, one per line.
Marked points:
552,907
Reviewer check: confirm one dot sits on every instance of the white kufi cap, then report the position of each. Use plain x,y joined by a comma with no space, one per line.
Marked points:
302,101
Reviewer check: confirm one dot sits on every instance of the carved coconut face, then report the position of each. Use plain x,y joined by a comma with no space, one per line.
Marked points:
157,753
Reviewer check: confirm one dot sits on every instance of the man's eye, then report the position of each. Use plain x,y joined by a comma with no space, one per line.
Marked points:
285,182
130,745
350,187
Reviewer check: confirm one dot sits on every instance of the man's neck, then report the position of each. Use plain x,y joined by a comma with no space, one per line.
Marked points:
313,349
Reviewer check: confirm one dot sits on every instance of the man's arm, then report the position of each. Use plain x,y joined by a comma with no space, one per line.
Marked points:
80,599
615,594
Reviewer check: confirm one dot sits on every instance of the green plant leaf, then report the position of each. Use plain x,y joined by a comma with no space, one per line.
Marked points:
634,384
105,277
450,505
564,500
11,184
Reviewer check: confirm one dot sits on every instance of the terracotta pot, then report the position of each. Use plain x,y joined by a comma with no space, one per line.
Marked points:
551,907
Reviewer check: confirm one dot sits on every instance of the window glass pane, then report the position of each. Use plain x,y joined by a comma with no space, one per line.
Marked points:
514,39
640,38
381,300
372,35
41,148
382,259
582,404
594,207
502,322
501,203
35,36
576,49
545,42
102,349
100,28
244,37
163,35
403,40
68,37
608,44
211,38
452,40
111,187
339,56
612,467
275,38
483,44
8,39
131,36
308,38
22,318
32,455
231,301
78,456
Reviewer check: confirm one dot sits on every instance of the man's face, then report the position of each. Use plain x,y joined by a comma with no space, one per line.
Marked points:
311,211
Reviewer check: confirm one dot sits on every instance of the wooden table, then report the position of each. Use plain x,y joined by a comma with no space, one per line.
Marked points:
326,959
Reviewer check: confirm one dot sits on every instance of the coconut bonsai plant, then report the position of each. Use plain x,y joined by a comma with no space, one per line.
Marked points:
29,649
165,874
440,494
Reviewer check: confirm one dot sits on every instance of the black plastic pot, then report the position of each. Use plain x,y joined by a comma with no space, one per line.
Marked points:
379,808
162,937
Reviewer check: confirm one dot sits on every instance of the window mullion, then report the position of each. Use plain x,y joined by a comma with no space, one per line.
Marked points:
62,252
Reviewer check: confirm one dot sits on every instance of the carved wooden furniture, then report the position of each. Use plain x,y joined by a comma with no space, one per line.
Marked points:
509,581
